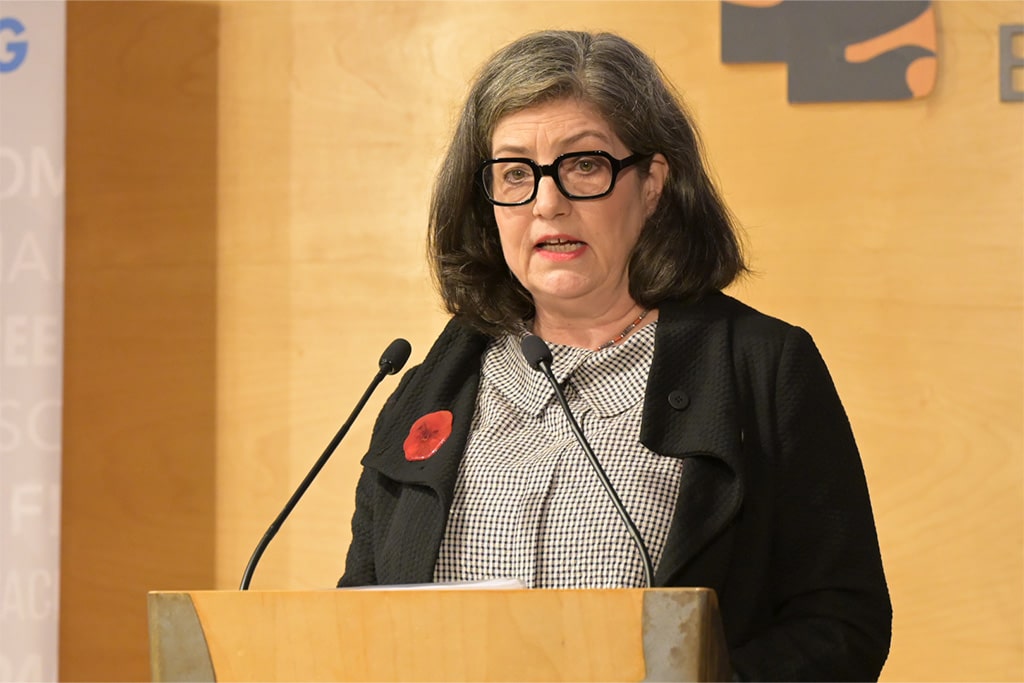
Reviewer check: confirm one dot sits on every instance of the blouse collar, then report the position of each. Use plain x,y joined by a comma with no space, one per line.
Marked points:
610,381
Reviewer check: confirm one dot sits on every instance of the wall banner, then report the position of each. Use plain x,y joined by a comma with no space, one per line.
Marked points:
32,100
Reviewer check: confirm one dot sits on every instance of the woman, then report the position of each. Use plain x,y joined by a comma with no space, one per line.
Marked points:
573,204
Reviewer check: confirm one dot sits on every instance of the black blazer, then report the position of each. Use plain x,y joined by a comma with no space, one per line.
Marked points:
773,511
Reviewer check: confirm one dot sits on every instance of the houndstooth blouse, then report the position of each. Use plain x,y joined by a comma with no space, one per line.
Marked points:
527,505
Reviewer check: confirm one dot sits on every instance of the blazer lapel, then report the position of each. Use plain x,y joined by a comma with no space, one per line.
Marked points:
691,411
448,380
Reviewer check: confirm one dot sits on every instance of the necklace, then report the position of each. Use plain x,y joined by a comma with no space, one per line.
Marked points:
622,335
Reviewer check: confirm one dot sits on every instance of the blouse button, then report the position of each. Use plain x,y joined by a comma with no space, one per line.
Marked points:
679,400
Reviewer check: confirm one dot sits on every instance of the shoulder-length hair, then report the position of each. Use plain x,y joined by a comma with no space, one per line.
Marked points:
689,246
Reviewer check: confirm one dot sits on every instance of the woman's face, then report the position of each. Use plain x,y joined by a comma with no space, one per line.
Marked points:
573,255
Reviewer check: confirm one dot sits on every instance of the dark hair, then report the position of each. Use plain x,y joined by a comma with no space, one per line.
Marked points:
688,248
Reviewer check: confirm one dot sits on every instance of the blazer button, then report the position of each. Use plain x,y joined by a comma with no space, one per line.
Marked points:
679,400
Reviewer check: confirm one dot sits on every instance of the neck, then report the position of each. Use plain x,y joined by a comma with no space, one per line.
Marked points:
591,331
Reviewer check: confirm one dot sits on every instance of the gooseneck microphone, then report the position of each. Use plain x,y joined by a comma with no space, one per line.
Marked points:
538,355
391,361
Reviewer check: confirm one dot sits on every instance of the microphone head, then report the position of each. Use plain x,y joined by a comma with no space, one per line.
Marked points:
535,351
394,357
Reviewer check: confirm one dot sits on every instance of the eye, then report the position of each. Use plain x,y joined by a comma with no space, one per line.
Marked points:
516,175
510,173
588,165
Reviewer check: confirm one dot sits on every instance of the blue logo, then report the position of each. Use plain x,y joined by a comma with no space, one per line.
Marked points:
14,55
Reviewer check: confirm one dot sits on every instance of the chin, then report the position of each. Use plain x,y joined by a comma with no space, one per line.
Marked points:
562,286
557,293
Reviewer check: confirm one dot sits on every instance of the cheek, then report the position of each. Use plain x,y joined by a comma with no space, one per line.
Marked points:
512,229
510,236
627,219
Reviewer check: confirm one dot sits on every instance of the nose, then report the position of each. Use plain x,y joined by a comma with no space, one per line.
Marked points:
549,202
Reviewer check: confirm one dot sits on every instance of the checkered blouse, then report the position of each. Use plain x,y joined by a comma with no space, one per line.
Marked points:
527,505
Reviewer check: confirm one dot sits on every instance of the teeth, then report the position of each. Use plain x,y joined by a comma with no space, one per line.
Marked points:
560,245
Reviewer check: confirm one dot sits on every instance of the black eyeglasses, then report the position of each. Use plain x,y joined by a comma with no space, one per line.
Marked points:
578,175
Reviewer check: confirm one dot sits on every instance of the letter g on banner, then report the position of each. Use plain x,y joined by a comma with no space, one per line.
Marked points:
12,52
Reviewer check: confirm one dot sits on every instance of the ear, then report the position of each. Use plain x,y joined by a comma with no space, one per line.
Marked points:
654,183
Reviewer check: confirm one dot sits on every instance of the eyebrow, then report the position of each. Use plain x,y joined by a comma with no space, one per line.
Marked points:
571,140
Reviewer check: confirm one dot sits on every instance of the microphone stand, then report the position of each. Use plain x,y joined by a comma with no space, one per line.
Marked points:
538,355
391,362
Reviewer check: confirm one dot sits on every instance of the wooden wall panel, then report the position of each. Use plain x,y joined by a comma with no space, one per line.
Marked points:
256,320
140,318
891,230
894,232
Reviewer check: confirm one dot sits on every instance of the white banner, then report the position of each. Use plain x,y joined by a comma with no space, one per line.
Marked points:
32,76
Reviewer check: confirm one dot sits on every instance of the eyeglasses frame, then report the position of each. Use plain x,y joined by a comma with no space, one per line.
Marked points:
541,171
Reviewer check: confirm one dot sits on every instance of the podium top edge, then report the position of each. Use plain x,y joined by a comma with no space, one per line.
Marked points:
428,589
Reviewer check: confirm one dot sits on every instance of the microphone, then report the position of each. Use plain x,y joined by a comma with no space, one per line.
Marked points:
391,361
538,355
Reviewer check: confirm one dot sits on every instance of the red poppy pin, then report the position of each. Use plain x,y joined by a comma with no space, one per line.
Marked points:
427,434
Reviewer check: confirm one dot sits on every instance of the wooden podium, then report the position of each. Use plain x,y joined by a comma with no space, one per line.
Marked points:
671,634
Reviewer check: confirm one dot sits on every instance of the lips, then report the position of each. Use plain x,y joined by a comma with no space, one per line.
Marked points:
559,245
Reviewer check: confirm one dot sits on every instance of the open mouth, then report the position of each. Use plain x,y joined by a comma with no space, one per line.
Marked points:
560,245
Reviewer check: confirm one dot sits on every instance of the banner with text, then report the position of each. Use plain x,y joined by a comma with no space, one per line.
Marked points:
32,100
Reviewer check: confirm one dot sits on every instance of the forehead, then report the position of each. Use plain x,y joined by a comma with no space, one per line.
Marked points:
558,122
